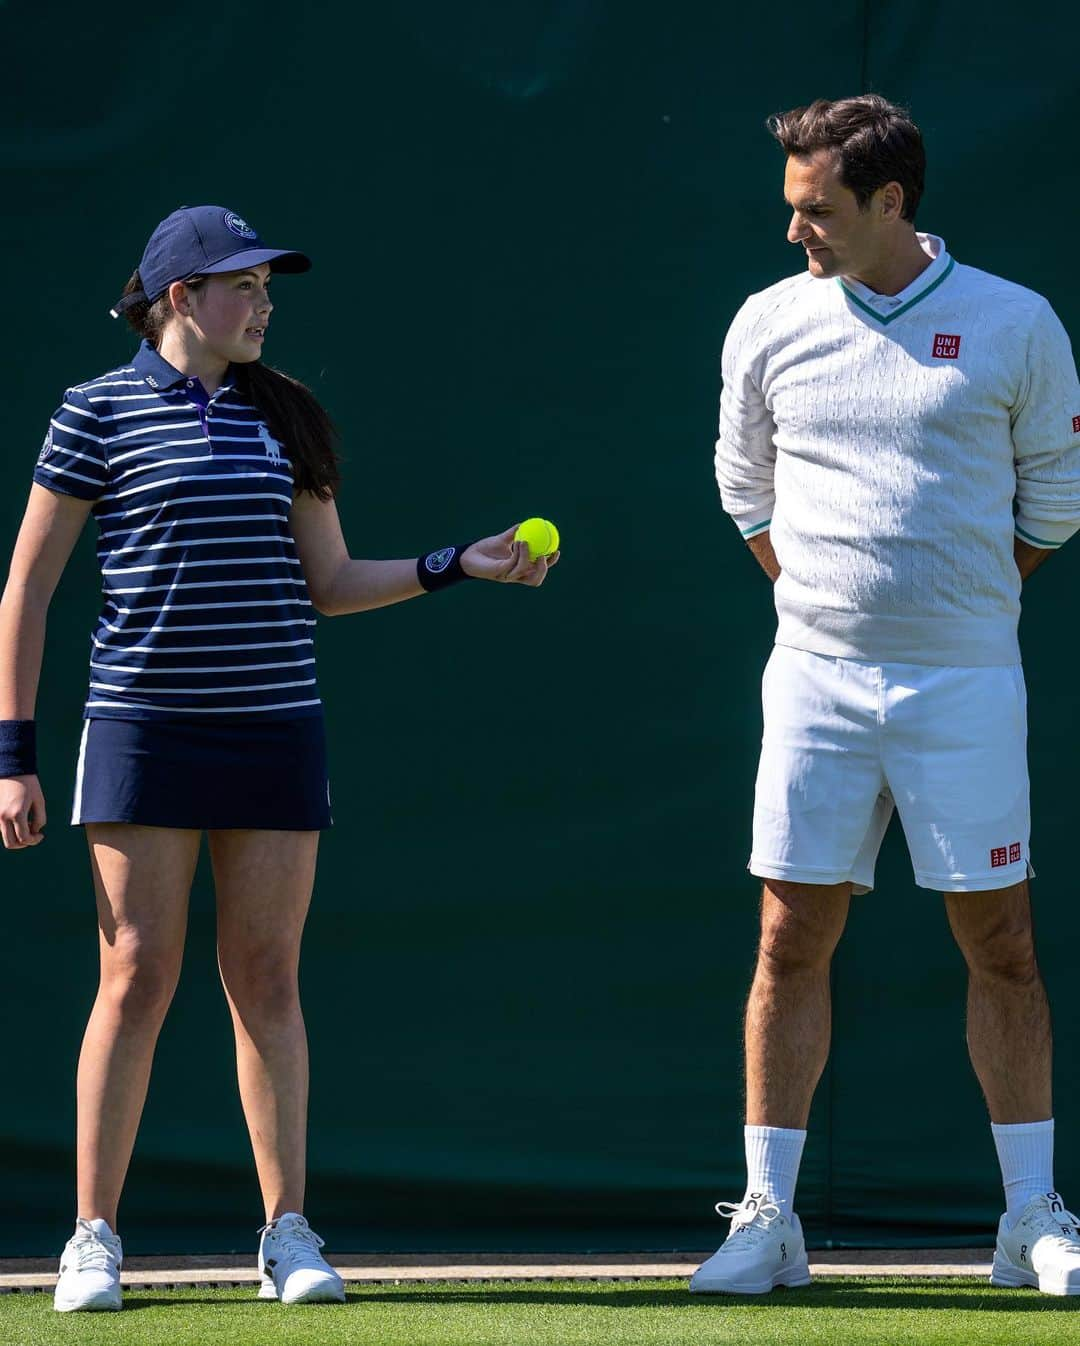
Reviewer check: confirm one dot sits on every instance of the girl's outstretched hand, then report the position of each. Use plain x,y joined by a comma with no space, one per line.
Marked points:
501,558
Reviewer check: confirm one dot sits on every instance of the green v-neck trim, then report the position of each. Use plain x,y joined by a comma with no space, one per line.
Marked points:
897,313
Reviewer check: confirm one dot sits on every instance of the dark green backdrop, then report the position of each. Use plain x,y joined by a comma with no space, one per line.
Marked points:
533,929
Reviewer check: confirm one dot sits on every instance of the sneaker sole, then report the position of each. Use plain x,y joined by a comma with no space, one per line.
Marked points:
111,1305
793,1279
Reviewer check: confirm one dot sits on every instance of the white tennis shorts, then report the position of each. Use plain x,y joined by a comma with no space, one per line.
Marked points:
845,742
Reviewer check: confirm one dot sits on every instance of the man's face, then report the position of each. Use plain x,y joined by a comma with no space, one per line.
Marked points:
839,238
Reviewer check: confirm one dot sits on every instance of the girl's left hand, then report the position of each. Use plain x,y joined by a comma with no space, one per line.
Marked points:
501,558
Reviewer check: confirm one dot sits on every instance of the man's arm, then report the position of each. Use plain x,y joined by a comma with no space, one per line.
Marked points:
745,450
1046,444
761,546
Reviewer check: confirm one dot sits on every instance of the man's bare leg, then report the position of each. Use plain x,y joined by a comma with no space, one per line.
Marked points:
789,1011
788,1019
1008,1018
1009,1038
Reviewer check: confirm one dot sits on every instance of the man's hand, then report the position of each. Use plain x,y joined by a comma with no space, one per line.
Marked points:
761,546
1027,557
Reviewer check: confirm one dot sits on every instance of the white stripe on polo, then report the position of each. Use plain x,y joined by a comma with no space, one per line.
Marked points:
195,710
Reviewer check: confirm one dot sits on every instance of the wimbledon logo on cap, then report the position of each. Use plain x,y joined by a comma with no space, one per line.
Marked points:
237,226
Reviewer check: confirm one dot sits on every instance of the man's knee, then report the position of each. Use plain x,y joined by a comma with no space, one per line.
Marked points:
1004,951
995,935
801,925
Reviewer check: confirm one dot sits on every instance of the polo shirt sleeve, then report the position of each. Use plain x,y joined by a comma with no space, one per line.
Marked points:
1046,437
745,449
72,458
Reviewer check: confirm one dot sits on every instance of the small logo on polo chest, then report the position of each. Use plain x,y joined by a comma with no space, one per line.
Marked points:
271,445
1076,425
946,346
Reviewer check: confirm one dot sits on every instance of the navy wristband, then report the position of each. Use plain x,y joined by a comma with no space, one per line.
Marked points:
440,569
18,748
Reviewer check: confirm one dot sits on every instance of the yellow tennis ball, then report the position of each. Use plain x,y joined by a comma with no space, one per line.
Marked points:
541,536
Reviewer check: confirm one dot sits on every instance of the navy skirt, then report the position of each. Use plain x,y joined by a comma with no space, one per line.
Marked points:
175,773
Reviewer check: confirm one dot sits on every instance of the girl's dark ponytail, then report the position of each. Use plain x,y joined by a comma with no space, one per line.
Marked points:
292,412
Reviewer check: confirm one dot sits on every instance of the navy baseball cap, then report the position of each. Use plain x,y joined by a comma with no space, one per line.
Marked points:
201,241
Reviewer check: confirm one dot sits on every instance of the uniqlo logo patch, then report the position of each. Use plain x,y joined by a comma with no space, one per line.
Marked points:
946,346
1014,853
999,856
1076,425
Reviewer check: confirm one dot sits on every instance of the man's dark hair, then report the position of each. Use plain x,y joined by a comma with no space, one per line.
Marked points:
877,143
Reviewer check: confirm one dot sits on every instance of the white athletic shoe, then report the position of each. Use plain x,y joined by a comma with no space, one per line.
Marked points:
763,1250
293,1270
89,1269
1041,1249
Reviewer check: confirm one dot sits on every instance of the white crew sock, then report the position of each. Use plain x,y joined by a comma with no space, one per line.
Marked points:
1026,1154
773,1154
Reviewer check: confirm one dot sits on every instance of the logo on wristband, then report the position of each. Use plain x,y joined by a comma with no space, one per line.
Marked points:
437,561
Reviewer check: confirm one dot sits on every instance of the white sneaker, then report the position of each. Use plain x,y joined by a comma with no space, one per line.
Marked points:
293,1270
89,1269
763,1250
1042,1248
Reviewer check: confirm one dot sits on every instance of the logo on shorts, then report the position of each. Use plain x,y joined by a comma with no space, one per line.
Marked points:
239,227
1004,855
946,346
46,445
1076,425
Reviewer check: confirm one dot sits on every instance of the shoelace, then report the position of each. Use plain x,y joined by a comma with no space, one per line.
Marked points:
749,1220
1066,1221
92,1252
296,1237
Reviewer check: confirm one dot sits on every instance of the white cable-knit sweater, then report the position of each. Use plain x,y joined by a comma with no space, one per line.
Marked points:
892,445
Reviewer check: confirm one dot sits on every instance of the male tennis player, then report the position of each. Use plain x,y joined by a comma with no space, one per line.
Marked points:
900,447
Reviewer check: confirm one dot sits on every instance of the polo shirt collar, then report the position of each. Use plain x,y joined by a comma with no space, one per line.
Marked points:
885,307
161,375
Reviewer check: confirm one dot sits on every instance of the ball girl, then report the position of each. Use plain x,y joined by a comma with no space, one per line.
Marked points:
212,480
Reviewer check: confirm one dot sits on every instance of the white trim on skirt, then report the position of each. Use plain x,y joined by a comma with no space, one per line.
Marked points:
76,808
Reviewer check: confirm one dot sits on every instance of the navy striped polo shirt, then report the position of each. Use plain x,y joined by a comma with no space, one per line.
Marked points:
206,610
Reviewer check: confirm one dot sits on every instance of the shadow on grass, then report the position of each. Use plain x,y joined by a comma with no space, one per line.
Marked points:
934,1296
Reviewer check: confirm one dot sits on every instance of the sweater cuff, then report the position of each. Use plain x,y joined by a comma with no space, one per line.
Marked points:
1042,533
753,521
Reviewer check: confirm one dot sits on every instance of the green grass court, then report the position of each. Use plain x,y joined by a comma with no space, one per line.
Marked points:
834,1311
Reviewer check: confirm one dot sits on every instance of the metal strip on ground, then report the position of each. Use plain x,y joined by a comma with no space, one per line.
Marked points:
28,1275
